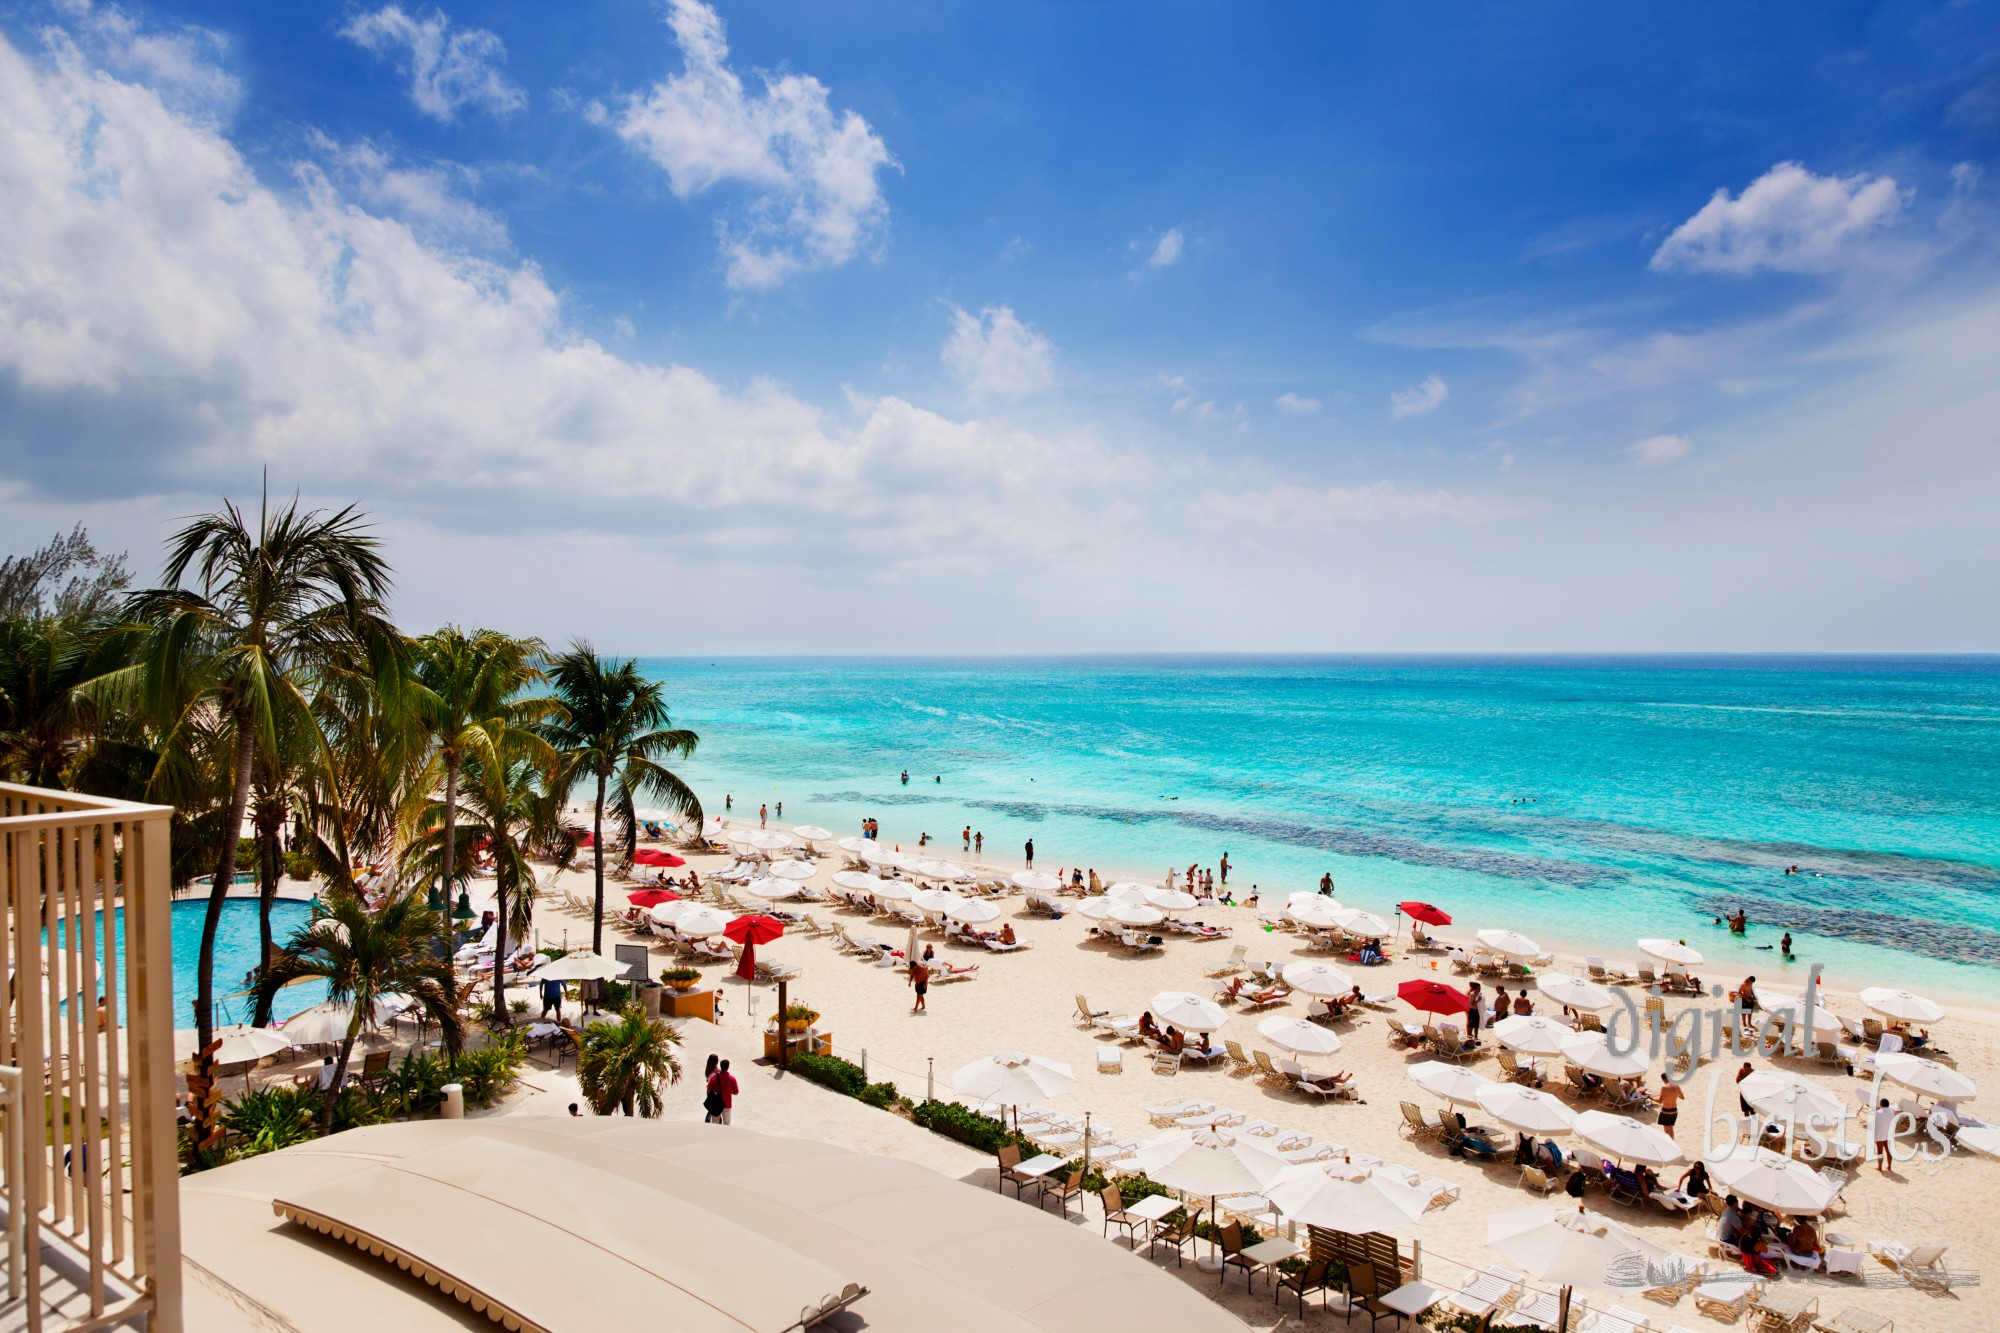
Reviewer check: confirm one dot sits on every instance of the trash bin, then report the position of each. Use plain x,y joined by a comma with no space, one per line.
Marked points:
453,1106
650,993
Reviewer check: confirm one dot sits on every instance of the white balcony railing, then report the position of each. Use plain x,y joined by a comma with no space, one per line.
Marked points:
89,1161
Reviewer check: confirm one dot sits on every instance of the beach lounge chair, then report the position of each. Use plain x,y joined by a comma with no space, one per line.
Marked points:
1405,1034
1166,1062
1618,1319
1239,1059
1726,1300
1674,1281
1416,1124
1534,1178
1267,1071
1852,1320
1088,1014
1448,1045
1110,1059
1232,964
1303,1150
1482,1293
1169,1112
1264,999
1924,1268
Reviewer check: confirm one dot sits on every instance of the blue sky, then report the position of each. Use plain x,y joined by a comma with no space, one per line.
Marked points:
1034,327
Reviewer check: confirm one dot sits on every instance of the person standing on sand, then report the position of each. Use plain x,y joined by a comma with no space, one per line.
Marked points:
1030,849
920,981
1670,1106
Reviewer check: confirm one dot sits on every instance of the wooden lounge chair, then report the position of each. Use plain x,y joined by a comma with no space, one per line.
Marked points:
1267,1071
1239,1059
1414,1122
1511,1066
1852,1320
1448,1045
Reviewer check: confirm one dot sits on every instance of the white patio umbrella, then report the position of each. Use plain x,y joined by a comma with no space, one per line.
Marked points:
1128,892
1825,1022
1927,1076
1568,1246
858,846
1357,922
1308,1196
1210,1162
1532,1034
1526,1109
665,914
791,870
1035,881
934,900
812,832
879,855
242,1043
894,890
1135,914
1460,1087
1305,896
1592,1051
1187,1011
1312,913
1670,951
1320,979
1097,908
701,919
580,967
774,840
1170,900
1511,943
1788,1097
324,1022
766,887
931,868
1012,1078
1902,1005
1298,1036
1626,1139
1771,1179
973,911
856,881
1584,996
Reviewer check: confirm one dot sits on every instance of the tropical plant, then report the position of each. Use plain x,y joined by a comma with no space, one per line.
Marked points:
614,728
623,1065
487,1071
464,696
267,1119
68,579
363,956
273,611
47,715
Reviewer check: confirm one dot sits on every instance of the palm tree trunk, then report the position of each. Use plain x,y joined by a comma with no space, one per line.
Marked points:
597,851
450,825
267,894
501,1017
225,875
339,1072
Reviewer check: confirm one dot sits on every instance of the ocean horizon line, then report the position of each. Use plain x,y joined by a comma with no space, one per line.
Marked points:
1310,656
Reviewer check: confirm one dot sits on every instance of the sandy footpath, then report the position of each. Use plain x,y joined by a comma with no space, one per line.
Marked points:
1028,1000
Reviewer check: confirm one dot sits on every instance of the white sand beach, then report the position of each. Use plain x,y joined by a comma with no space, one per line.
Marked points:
1028,1000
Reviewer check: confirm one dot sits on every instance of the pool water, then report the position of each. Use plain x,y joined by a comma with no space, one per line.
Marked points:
236,947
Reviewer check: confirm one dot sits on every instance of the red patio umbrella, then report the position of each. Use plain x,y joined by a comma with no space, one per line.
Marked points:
1428,913
653,856
751,931
652,897
1433,997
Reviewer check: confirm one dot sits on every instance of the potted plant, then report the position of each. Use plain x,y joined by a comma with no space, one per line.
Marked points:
799,1017
682,979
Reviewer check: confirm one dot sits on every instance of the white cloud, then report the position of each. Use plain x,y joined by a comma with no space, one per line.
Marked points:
997,355
1418,399
1659,450
1787,219
811,174
448,71
1306,508
1297,405
430,198
1168,251
1187,403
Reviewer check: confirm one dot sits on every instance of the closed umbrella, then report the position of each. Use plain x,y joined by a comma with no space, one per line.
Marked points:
1012,1078
1771,1179
1135,914
1427,913
1592,1051
1926,1076
1670,951
1188,1011
798,870
1322,979
580,967
1357,922
1432,997
973,911
1585,996
1532,1034
812,832
1460,1087
856,881
1526,1109
1510,943
751,931
1902,1005
1626,1139
1036,881
1170,900
700,919
1309,1196
1298,1036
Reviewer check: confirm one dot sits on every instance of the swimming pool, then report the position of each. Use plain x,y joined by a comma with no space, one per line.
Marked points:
235,955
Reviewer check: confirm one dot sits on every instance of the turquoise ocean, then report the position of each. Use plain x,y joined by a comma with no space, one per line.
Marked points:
1584,801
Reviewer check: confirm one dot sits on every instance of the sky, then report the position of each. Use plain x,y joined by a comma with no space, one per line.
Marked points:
838,326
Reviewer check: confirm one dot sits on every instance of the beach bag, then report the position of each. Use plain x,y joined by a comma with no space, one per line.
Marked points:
712,1103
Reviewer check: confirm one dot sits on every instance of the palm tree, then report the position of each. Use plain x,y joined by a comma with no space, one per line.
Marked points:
624,1064
48,715
465,688
614,727
275,610
503,804
364,955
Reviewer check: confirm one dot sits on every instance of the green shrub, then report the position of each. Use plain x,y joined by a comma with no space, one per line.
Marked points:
299,865
267,1119
680,974
357,1106
830,1071
488,1072
968,1127
617,994
881,1096
416,1085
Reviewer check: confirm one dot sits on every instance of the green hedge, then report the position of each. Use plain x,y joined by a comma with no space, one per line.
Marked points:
830,1071
968,1127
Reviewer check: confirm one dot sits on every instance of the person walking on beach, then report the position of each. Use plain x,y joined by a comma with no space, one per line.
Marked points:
711,1098
1474,1002
722,1090
1031,853
1882,1123
763,815
1670,1105
920,982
